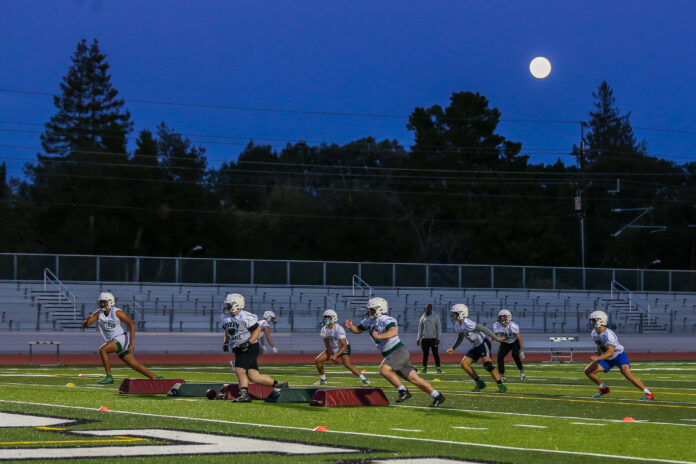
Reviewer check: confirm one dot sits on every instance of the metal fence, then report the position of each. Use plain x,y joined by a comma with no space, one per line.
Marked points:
96,268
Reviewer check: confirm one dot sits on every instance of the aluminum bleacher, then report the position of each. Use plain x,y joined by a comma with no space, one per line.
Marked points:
196,307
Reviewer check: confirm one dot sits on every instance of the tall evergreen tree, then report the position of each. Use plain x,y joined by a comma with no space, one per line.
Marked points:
611,134
89,112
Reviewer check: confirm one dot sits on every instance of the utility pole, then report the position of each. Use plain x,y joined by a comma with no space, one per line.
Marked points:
578,201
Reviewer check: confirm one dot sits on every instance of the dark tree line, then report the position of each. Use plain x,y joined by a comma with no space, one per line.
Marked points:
462,194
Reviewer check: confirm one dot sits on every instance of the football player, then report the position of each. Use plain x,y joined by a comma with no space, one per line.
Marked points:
481,346
242,332
510,331
610,353
337,347
109,319
396,363
265,326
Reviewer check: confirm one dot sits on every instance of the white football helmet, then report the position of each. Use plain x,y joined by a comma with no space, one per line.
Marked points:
377,307
504,316
459,312
598,319
234,302
269,316
329,317
106,301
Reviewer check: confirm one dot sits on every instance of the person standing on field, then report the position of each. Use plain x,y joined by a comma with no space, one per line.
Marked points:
429,332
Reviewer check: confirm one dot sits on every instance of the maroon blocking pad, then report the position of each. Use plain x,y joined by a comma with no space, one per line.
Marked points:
148,386
258,392
332,397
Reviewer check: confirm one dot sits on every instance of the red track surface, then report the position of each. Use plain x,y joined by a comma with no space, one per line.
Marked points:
93,359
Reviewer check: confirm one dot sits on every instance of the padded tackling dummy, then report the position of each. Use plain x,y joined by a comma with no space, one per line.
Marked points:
258,392
148,386
193,389
292,395
332,397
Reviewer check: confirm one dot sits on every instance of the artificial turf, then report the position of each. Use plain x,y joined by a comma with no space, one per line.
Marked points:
549,418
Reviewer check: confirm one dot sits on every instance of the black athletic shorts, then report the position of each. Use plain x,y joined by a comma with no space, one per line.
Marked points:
247,359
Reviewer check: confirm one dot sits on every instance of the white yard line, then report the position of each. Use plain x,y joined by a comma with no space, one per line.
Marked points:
586,423
543,416
531,426
406,430
461,427
391,437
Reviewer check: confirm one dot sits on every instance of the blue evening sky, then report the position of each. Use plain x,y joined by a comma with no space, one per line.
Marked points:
364,57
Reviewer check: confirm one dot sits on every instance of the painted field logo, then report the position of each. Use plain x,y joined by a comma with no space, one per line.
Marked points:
183,443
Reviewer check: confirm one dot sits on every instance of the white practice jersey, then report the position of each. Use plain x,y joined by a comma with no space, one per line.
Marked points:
509,333
110,325
238,326
382,324
606,338
468,328
334,336
263,323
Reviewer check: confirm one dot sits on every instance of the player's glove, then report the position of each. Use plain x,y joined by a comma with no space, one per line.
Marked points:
244,346
225,347
521,354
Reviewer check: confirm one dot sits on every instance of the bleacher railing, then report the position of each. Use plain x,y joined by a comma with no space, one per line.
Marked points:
100,268
50,279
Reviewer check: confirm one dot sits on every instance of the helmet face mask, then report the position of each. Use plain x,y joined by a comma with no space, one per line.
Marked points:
105,302
234,302
269,316
329,317
377,307
459,312
504,317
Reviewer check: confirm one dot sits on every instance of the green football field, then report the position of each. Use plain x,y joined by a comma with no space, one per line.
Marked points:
550,418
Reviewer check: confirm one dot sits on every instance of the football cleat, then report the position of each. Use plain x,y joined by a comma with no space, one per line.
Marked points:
648,397
501,388
437,401
480,385
439,371
320,382
244,397
106,380
602,391
502,378
424,371
281,386
366,382
403,396
523,377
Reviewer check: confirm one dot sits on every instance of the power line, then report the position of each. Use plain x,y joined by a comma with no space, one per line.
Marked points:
352,177
376,168
307,216
367,191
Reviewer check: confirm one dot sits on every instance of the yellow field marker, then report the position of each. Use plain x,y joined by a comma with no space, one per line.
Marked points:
51,428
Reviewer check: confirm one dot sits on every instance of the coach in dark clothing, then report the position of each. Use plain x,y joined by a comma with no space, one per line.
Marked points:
429,331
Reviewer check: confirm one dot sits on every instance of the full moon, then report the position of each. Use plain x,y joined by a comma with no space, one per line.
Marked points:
540,67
